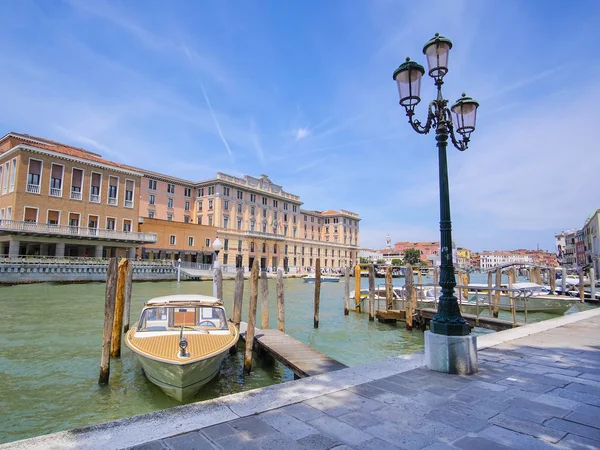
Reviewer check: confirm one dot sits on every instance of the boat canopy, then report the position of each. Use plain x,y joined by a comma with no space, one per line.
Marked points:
185,298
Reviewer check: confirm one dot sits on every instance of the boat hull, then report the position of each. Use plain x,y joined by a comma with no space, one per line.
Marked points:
181,381
323,279
542,303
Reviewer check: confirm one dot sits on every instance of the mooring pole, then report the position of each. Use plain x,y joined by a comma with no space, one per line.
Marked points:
389,292
109,317
317,292
371,292
251,317
115,342
264,301
280,301
346,290
127,307
357,288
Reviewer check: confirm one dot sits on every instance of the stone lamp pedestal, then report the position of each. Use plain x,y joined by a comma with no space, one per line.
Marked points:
451,354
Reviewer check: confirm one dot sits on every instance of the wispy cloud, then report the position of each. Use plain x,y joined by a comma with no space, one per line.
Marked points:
301,133
212,113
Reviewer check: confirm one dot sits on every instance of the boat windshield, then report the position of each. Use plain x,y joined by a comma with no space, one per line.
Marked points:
172,318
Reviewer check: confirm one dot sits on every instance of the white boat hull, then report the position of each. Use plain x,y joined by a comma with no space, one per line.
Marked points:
543,303
323,279
182,381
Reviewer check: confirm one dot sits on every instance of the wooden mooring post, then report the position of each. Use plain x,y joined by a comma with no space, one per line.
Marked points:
219,278
497,293
115,340
489,293
552,280
251,317
347,290
389,293
280,302
127,307
581,290
371,292
357,288
264,301
109,318
436,275
238,298
408,302
317,292
512,277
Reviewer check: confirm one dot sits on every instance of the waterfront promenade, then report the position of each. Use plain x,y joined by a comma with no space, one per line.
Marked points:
538,387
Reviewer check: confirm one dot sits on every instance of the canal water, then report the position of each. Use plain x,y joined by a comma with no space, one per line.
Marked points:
50,342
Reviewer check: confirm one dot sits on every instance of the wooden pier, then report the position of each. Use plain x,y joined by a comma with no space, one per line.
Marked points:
424,315
301,359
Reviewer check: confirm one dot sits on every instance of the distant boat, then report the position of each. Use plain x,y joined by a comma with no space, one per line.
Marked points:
181,340
324,279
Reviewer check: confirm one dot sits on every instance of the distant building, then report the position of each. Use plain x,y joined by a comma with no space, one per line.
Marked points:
372,255
591,241
490,259
463,256
429,251
580,249
565,248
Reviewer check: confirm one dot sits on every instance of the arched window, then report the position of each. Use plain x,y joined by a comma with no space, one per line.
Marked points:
264,248
274,248
252,247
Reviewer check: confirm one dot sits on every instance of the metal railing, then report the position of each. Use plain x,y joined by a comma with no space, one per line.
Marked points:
68,230
112,201
128,203
262,234
94,198
55,192
75,195
33,188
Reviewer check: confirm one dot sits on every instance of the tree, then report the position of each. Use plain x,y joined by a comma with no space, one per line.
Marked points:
396,262
412,256
381,261
364,260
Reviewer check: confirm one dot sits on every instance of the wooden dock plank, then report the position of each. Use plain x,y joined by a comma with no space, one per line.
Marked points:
490,323
300,358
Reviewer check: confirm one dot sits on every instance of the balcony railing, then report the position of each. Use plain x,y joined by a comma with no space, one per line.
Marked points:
71,231
55,192
94,198
112,201
75,195
261,234
128,203
33,188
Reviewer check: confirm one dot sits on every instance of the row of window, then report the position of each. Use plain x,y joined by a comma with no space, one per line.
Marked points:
55,187
191,240
210,190
31,214
170,202
187,192
7,176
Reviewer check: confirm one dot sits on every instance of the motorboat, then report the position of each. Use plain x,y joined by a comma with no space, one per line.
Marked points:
525,295
324,279
181,341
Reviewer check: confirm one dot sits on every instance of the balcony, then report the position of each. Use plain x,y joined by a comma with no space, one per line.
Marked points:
75,195
261,234
112,201
94,198
128,203
55,192
33,188
44,229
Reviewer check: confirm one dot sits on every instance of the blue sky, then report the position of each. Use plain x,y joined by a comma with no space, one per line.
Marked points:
303,92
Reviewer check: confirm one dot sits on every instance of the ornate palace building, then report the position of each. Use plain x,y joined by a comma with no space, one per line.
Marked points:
60,200
253,217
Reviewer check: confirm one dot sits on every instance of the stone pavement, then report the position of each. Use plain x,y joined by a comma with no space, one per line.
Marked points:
541,391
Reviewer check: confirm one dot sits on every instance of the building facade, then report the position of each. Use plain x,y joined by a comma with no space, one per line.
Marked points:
489,259
592,241
57,200
463,257
429,251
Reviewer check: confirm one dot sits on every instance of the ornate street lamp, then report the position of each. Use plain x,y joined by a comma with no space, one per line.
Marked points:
448,320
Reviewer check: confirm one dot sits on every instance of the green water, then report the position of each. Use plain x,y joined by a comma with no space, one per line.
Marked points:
50,337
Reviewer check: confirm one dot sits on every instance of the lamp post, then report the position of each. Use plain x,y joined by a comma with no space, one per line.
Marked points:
217,246
179,270
448,321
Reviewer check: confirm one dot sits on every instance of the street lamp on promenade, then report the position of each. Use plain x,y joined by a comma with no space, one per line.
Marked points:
447,326
217,246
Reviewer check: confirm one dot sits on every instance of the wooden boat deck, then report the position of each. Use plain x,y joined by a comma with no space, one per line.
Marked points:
301,359
166,348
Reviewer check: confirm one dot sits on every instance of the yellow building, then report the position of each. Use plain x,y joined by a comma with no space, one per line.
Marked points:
464,257
256,218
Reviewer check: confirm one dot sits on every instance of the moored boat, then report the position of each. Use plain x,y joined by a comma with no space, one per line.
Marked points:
181,340
324,279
